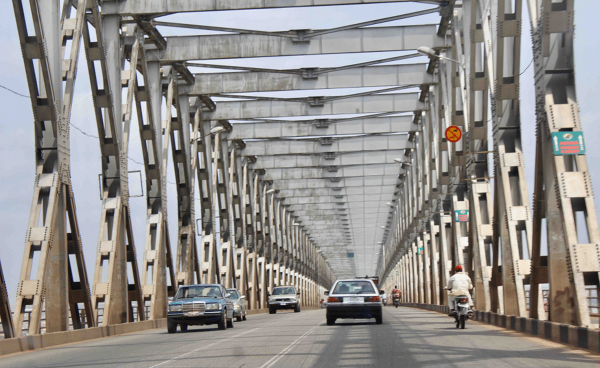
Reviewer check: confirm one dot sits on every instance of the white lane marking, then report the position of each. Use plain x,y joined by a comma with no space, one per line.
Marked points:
204,347
282,353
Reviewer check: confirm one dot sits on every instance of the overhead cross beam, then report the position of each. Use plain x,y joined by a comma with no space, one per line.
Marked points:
373,39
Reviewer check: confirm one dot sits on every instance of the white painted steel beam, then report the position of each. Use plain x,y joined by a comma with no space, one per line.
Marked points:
343,182
372,39
368,76
164,7
341,172
251,109
323,127
386,198
328,145
317,192
329,161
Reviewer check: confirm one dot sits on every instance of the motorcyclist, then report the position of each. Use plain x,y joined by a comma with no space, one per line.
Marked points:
459,284
396,292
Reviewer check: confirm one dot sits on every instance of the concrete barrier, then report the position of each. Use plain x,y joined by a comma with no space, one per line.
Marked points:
573,336
34,342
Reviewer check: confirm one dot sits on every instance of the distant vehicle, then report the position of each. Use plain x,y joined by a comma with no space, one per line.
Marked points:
205,304
396,298
375,279
384,298
357,299
284,297
239,304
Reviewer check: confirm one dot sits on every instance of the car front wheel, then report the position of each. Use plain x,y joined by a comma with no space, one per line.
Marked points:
171,326
223,322
330,321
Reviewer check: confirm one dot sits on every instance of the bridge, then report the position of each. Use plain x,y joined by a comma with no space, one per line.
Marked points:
369,137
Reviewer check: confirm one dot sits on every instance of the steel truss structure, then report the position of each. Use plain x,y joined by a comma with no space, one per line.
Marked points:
303,190
501,244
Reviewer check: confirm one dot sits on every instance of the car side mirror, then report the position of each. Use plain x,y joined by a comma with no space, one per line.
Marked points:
228,295
170,298
268,294
243,297
298,293
326,292
381,292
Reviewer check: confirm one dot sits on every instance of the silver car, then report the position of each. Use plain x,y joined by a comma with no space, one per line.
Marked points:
284,297
357,298
239,304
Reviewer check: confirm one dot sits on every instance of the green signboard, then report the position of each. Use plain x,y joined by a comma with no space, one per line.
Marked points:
461,216
350,255
568,143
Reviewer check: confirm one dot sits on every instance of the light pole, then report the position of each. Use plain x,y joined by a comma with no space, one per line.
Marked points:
428,51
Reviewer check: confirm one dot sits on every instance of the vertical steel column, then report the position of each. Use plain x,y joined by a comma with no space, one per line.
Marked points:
5,312
260,240
435,258
182,165
134,52
424,240
445,254
567,201
157,249
148,106
220,186
249,226
208,257
52,231
503,42
237,210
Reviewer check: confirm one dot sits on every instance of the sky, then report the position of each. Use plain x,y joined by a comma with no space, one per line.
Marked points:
17,144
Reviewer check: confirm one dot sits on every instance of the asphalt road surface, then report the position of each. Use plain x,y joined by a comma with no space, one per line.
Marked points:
408,338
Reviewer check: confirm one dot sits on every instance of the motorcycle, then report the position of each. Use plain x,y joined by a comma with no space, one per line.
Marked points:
462,310
396,298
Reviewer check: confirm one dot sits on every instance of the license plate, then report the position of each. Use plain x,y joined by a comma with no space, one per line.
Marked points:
193,314
283,303
354,299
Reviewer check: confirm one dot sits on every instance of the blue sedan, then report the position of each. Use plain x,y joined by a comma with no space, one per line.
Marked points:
206,304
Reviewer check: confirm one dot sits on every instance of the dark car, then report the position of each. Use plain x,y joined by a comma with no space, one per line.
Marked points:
200,305
354,299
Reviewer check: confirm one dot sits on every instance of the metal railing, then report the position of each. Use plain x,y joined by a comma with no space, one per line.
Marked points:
591,292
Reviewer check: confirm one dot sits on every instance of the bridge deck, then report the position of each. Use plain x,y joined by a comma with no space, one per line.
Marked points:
408,337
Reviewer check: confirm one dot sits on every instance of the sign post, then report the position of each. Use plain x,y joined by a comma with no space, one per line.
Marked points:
568,143
453,134
461,216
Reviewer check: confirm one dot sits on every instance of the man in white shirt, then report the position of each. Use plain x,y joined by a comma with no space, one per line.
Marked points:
459,284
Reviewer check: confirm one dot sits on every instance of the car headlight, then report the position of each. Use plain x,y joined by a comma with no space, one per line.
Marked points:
213,306
175,308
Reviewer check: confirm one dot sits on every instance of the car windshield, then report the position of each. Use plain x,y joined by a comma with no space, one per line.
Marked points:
199,292
284,290
234,294
353,287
